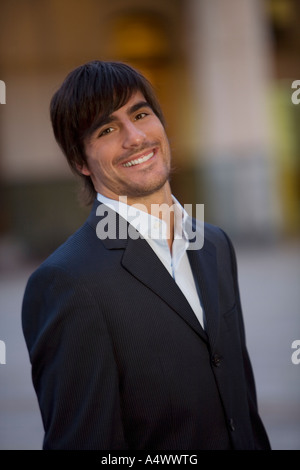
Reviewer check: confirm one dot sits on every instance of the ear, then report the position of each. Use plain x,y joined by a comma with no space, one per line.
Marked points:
83,169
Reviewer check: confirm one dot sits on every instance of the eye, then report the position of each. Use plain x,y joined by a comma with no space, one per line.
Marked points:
106,131
140,116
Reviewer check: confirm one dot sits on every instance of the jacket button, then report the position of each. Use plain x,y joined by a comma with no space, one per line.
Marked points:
231,424
216,360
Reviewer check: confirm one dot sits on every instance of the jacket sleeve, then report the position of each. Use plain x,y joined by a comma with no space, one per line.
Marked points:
261,439
73,368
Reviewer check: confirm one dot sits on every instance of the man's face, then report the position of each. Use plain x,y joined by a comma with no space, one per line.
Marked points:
129,154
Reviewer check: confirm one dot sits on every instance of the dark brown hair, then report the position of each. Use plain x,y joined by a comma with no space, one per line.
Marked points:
89,93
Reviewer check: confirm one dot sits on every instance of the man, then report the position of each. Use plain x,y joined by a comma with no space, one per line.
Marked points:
137,340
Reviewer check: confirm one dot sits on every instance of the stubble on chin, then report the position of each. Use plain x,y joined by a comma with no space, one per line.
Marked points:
142,190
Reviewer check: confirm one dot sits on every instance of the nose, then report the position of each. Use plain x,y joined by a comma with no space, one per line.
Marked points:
133,135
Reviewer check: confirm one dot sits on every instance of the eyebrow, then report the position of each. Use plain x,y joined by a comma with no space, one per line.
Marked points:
135,107
103,120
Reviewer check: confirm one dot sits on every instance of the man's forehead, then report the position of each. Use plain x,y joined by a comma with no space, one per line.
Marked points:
134,97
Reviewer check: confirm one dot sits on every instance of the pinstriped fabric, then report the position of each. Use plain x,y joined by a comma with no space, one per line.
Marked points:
118,359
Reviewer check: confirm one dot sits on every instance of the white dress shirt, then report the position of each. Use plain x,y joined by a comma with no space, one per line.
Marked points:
154,230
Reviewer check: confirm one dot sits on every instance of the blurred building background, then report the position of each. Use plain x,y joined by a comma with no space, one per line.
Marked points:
223,70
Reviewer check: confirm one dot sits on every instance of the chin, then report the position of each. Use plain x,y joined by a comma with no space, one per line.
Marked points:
147,189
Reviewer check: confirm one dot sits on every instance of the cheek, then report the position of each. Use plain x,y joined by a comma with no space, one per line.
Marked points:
164,138
98,158
166,146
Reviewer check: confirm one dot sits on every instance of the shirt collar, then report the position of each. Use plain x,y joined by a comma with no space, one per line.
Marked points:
148,225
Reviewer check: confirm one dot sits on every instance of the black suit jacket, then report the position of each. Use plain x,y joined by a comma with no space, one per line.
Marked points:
119,360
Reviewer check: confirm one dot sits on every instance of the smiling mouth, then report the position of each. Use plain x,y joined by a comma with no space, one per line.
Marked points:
139,160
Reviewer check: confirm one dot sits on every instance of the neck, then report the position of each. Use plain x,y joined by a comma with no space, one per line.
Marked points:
158,204
161,197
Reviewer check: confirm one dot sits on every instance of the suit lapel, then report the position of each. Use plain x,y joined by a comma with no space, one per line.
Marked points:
140,260
204,266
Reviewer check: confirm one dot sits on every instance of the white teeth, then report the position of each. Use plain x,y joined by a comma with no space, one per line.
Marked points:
139,160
